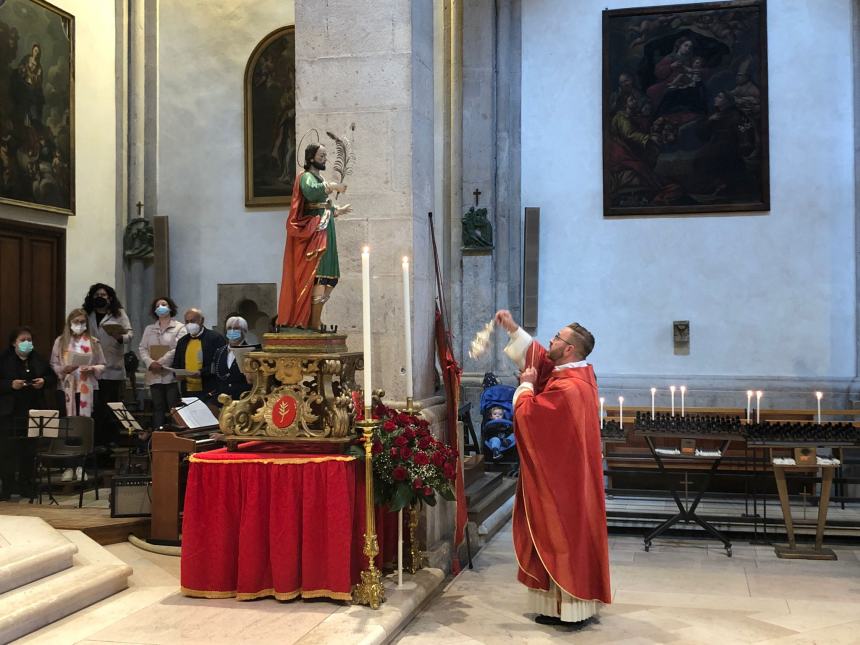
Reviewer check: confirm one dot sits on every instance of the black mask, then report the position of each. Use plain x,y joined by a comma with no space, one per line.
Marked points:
319,166
100,302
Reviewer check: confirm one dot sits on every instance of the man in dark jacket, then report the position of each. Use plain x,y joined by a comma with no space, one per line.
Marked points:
195,353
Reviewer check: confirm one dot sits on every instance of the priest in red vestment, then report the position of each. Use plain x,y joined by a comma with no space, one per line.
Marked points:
559,522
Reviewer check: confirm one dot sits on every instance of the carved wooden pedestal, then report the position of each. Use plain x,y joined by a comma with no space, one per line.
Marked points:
301,393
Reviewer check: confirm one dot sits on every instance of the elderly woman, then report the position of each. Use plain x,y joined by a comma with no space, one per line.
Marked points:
78,362
228,373
26,383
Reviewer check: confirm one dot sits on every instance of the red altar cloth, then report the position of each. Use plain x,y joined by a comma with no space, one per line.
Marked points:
274,524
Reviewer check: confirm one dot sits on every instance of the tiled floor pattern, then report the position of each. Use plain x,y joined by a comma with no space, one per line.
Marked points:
680,592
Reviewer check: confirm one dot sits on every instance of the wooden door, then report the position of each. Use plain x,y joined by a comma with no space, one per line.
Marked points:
32,281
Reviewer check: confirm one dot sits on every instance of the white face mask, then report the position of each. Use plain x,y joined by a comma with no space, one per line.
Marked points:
192,328
78,328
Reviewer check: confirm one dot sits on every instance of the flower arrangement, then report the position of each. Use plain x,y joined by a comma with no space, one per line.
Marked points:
409,464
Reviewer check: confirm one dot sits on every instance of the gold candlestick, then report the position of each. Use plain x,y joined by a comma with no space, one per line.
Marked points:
416,558
370,590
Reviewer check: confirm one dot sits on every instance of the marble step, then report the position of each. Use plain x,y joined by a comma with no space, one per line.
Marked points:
494,498
94,575
30,549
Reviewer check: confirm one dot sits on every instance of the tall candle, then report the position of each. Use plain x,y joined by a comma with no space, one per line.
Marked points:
621,412
683,392
672,390
407,324
365,320
758,395
602,401
749,405
653,393
818,396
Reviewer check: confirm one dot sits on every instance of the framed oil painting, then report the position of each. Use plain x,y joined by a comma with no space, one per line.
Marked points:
37,99
685,120
270,120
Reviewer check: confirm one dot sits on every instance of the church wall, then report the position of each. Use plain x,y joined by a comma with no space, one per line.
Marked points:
203,48
767,294
91,233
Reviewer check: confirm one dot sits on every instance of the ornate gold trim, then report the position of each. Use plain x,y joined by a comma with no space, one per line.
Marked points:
271,460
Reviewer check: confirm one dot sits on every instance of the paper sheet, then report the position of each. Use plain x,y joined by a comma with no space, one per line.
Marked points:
197,415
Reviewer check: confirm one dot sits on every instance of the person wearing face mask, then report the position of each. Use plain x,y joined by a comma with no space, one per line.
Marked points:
157,349
195,352
229,378
78,362
27,383
110,324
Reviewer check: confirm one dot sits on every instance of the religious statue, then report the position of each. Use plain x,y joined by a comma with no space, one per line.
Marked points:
138,240
311,269
477,230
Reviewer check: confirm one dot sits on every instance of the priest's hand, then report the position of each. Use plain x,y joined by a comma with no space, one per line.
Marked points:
528,375
506,321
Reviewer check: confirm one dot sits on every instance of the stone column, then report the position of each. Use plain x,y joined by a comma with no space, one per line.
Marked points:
366,71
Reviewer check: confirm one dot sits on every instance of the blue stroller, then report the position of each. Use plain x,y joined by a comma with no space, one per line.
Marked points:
497,425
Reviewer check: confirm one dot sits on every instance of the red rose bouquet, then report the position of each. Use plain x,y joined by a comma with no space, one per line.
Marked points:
409,464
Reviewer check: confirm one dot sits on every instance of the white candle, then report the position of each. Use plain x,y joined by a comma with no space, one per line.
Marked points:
621,412
407,323
672,390
365,319
683,392
653,393
758,395
749,404
602,401
818,396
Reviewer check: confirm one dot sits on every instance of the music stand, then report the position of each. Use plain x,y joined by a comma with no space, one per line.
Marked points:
43,424
125,418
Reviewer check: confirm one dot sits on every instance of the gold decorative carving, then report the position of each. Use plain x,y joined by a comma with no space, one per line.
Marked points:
295,396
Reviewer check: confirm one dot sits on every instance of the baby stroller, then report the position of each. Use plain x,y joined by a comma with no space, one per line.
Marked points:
497,425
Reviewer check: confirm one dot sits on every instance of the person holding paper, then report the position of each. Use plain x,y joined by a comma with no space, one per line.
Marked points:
78,362
110,324
559,521
27,383
227,366
157,349
195,353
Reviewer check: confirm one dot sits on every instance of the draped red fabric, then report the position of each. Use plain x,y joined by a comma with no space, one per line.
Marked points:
302,252
559,522
451,376
273,524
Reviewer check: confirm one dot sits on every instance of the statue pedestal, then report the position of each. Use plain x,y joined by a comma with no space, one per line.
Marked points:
302,390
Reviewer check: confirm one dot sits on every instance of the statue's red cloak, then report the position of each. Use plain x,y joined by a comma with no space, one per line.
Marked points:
559,522
302,252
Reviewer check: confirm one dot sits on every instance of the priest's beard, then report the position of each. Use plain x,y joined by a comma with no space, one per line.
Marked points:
319,166
555,354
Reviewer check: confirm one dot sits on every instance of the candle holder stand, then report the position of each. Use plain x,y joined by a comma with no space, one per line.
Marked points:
370,590
416,557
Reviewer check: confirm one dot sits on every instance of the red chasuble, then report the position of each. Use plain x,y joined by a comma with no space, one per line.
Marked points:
304,248
559,522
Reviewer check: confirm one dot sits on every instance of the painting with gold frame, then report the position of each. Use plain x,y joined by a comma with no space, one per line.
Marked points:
270,120
37,106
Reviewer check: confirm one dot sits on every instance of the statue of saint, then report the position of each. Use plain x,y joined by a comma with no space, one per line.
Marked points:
311,268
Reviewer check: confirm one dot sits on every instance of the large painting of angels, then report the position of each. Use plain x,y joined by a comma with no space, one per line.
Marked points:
37,165
685,120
